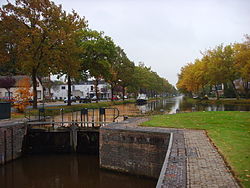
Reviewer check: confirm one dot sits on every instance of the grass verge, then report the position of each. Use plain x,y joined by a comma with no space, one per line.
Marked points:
229,131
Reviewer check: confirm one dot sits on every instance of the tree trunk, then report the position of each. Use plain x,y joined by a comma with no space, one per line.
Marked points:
217,93
235,90
112,92
246,90
69,90
123,93
34,84
96,89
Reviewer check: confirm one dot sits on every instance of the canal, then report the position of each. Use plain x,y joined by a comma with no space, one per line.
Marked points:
65,171
170,105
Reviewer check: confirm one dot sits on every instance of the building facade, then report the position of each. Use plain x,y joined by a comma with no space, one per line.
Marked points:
82,89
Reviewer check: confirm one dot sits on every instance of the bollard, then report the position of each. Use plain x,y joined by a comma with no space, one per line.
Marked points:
62,115
102,115
84,112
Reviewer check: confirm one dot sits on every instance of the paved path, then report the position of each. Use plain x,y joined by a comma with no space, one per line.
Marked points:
205,168
194,162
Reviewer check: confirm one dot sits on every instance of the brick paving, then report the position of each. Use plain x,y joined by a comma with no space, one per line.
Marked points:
205,166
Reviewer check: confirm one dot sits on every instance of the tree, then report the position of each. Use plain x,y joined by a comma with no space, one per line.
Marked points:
99,53
186,80
7,83
121,70
23,94
242,62
31,31
126,74
69,50
221,66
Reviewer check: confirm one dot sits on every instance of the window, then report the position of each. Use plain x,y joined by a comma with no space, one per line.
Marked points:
7,94
39,94
92,88
63,87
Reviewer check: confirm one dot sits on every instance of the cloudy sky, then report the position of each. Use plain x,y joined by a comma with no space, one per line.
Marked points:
165,34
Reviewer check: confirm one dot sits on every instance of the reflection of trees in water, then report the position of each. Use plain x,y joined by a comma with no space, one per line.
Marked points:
187,106
157,106
172,104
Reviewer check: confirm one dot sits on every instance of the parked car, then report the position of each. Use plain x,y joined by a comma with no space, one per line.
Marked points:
85,100
73,99
94,98
115,98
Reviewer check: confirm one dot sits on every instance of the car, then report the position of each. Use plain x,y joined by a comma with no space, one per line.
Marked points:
94,98
85,100
115,98
73,99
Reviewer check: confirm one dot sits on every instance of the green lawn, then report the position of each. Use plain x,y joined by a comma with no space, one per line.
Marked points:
230,132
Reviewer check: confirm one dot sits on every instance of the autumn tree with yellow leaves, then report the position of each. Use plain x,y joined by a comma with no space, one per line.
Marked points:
220,65
23,94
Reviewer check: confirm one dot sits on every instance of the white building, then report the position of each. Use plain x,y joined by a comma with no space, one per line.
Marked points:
13,90
82,89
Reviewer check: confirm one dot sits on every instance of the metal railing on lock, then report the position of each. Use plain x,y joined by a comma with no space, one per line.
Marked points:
86,117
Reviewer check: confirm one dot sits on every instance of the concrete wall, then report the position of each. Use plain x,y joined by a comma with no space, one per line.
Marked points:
135,150
11,139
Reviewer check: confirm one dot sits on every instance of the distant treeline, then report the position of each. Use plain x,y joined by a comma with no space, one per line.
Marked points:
228,65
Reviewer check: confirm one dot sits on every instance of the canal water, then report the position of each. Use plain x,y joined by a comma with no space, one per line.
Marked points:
65,171
170,105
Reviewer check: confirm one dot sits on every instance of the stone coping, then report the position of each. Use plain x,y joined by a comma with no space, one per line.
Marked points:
132,124
165,164
11,122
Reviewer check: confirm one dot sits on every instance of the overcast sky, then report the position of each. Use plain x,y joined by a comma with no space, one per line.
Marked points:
165,34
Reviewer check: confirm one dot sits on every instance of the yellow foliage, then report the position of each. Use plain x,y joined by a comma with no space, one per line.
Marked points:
23,94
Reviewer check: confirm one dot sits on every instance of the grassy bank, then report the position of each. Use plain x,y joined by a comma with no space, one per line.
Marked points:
55,110
229,131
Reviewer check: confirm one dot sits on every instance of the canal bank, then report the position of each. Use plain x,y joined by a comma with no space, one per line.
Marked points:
12,133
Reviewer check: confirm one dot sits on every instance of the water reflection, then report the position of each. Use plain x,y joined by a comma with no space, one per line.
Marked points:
64,171
171,105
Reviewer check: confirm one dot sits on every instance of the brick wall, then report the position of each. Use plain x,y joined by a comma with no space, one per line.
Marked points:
135,150
11,138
